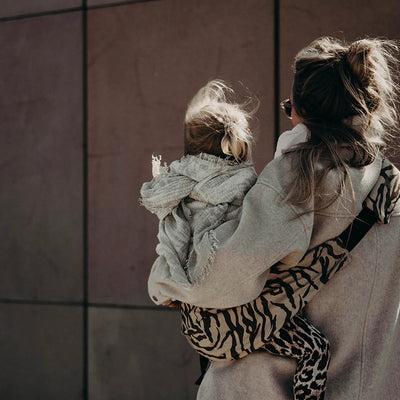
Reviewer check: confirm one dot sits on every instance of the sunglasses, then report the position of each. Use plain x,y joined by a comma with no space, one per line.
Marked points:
286,106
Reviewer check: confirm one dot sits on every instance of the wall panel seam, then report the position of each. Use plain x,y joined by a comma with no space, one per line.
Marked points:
276,69
83,304
39,14
85,205
69,10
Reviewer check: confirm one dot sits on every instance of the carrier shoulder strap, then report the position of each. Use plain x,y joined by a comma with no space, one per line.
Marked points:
352,235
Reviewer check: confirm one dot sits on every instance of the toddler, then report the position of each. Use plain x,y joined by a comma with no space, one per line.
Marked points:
204,189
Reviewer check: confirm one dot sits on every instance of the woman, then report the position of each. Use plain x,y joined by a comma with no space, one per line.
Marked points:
344,95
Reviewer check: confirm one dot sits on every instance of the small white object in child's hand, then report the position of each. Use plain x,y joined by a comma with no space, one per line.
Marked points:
155,165
156,168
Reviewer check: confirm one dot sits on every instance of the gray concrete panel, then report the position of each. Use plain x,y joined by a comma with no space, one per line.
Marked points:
141,355
41,158
41,352
11,8
302,22
146,61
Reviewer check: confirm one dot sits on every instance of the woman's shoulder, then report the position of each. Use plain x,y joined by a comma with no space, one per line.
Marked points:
281,171
278,173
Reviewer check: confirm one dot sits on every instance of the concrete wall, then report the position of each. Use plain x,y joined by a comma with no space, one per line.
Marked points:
88,92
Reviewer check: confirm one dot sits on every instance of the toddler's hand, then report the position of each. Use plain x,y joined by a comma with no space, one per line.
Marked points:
174,304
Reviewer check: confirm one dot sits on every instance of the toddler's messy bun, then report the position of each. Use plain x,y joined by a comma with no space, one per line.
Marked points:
216,125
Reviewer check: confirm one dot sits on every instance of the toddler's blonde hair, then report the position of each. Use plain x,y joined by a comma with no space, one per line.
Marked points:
217,125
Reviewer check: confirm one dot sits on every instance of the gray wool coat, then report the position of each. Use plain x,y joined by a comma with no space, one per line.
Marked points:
358,310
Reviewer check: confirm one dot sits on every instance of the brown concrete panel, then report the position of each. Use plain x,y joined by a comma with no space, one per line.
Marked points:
41,158
141,355
146,61
302,22
41,352
10,8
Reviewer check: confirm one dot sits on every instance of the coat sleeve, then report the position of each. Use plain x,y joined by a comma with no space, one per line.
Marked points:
269,230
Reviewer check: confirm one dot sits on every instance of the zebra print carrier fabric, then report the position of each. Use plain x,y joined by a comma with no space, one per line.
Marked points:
227,334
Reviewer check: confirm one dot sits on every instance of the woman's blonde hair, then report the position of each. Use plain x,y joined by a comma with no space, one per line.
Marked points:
216,124
347,97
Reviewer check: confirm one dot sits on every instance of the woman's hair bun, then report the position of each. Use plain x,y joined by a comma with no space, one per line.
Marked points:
363,57
371,62
335,80
347,96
